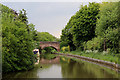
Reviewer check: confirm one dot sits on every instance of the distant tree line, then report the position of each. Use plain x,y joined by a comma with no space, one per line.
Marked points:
94,27
45,36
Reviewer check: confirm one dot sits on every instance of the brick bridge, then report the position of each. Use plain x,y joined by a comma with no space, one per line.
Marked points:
55,45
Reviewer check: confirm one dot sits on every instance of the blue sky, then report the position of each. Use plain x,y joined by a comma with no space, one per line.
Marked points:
48,16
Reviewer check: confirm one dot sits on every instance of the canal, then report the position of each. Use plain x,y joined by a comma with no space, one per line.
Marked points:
54,66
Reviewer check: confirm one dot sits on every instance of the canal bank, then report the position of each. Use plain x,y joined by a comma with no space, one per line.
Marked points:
111,64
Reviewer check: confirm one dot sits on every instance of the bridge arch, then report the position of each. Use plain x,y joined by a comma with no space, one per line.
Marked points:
51,47
55,45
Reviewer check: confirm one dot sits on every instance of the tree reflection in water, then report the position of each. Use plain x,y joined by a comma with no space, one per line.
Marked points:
82,69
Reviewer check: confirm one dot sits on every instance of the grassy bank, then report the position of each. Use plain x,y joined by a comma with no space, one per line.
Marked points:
97,55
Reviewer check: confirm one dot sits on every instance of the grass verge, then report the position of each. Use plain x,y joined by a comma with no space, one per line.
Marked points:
97,55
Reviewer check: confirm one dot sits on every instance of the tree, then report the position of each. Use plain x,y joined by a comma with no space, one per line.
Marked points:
67,37
33,32
17,42
84,26
107,25
81,26
22,16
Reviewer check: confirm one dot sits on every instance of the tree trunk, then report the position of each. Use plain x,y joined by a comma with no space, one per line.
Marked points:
104,45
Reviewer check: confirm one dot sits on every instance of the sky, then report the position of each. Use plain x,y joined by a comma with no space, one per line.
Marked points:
47,16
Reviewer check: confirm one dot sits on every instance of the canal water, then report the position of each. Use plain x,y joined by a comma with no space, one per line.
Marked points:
52,66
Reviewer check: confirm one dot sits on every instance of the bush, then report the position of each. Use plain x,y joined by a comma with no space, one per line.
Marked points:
63,44
65,49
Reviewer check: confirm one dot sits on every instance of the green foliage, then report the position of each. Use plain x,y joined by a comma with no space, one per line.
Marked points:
94,27
107,26
67,36
63,44
18,40
108,18
49,50
96,30
65,49
22,16
45,36
0,40
85,23
94,44
53,51
33,32
81,26
43,51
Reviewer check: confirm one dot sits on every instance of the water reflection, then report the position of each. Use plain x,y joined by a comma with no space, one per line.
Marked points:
63,67
28,74
56,60
53,72
80,69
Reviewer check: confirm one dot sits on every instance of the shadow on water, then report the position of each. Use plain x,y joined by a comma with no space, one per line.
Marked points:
53,66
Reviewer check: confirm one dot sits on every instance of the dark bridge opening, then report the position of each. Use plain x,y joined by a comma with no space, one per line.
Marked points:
46,53
48,50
